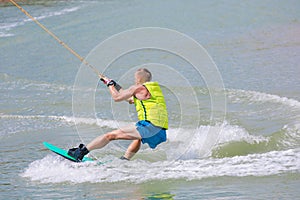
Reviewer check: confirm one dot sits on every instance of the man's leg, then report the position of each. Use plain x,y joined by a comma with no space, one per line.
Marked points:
125,133
132,149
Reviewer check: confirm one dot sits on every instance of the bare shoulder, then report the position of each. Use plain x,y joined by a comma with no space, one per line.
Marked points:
141,92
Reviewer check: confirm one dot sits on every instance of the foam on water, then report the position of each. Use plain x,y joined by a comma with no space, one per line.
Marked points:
5,28
255,96
243,143
92,121
2,34
8,82
178,158
53,169
289,135
199,143
18,123
209,151
190,143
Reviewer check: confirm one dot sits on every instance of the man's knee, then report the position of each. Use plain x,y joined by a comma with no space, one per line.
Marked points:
110,136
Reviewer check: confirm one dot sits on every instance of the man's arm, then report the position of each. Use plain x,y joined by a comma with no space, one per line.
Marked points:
122,95
130,99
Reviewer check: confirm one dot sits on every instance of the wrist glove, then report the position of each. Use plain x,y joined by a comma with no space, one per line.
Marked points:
111,82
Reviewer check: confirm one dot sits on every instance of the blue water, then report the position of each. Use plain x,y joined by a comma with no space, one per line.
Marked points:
238,141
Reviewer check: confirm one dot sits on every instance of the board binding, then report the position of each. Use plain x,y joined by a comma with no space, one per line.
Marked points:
64,153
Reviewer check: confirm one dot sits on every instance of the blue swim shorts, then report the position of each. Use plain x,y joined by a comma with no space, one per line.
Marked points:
152,135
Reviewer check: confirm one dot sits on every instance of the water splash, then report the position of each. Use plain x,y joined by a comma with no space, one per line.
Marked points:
53,169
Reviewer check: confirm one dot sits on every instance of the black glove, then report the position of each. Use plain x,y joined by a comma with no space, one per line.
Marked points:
103,80
111,82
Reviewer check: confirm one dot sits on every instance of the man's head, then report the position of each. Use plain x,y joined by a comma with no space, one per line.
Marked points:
142,75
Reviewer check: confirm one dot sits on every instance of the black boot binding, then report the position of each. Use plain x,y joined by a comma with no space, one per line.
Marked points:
79,152
124,158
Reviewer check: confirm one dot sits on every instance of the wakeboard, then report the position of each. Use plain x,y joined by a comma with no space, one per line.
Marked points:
64,153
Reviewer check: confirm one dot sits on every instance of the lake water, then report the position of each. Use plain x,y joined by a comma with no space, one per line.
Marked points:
234,119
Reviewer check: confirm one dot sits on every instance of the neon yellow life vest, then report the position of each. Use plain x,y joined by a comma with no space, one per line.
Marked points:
153,109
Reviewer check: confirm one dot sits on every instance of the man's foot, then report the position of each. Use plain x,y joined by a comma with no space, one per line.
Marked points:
124,158
79,152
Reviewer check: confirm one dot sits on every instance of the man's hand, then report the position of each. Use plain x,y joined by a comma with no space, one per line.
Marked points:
111,83
108,81
130,101
105,80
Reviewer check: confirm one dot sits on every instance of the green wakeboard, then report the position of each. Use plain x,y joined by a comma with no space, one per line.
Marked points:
64,153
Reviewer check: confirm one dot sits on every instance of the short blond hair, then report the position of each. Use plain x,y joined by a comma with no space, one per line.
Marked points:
145,74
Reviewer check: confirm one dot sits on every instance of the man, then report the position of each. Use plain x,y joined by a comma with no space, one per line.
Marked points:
152,114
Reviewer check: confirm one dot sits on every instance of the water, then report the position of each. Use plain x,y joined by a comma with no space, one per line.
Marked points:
253,152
